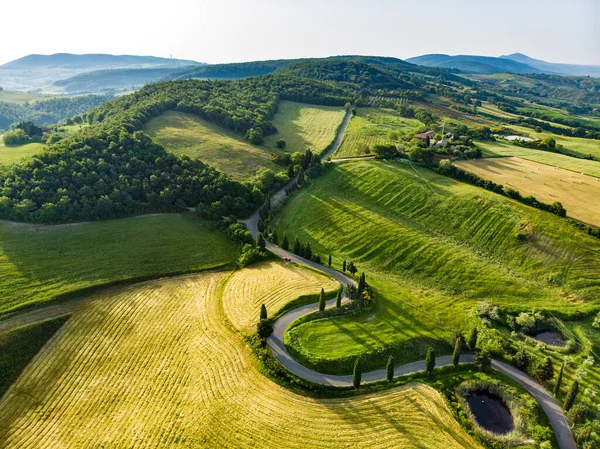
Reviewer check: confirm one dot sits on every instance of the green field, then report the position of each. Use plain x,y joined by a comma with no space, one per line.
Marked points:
502,148
39,262
370,127
12,154
432,248
305,126
158,365
19,97
301,126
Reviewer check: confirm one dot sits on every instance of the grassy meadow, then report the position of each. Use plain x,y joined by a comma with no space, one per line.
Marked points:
370,127
39,262
19,97
502,148
112,377
301,126
577,193
432,248
12,154
304,126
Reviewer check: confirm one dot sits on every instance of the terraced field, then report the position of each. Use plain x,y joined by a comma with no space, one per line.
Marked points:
370,127
273,284
156,365
432,248
577,193
12,154
39,262
301,126
501,148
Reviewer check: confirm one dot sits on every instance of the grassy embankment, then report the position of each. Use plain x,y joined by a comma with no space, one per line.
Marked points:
11,154
301,126
370,127
577,193
114,377
432,249
37,263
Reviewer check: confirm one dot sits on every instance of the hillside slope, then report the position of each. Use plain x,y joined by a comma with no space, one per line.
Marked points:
474,64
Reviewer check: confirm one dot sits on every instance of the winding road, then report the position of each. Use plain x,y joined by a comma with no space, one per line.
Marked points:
554,412
551,408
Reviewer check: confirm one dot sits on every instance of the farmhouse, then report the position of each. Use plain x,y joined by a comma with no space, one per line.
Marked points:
425,136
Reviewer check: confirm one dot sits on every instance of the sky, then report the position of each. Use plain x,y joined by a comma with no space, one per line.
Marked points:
216,31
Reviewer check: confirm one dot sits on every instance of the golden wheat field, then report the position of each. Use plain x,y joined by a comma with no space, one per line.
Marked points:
272,284
157,365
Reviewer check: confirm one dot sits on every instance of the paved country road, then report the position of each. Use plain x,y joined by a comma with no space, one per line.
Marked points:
551,408
554,412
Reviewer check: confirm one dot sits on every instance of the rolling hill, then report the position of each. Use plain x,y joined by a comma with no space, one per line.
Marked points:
551,67
474,64
37,71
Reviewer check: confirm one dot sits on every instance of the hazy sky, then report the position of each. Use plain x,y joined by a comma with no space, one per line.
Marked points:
243,30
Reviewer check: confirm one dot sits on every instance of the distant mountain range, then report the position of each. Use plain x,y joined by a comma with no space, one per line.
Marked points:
515,63
35,72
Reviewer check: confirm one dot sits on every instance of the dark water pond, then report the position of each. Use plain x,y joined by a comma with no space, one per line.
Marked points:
490,412
552,338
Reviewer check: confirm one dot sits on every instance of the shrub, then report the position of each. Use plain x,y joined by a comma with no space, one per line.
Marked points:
15,137
577,414
483,360
430,361
281,144
521,359
543,370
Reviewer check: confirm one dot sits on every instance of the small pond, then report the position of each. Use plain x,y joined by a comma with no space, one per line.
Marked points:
552,338
490,412
523,138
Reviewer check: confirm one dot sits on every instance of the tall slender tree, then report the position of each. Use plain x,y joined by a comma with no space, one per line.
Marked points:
338,299
260,242
263,312
330,260
571,395
472,342
430,361
297,247
274,237
284,243
389,369
344,266
322,301
559,380
357,374
456,353
361,283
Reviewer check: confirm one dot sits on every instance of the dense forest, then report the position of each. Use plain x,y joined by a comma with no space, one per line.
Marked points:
47,112
113,169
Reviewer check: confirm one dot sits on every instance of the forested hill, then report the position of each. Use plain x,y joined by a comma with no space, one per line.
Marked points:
49,111
113,169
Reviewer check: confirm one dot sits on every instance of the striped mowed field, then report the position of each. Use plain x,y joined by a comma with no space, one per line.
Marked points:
159,365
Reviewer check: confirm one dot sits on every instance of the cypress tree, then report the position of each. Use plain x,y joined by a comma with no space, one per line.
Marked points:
284,243
290,171
472,342
263,312
389,369
322,301
570,399
344,266
260,241
297,247
430,360
456,353
357,374
361,283
559,380
330,260
274,238
338,299
307,252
